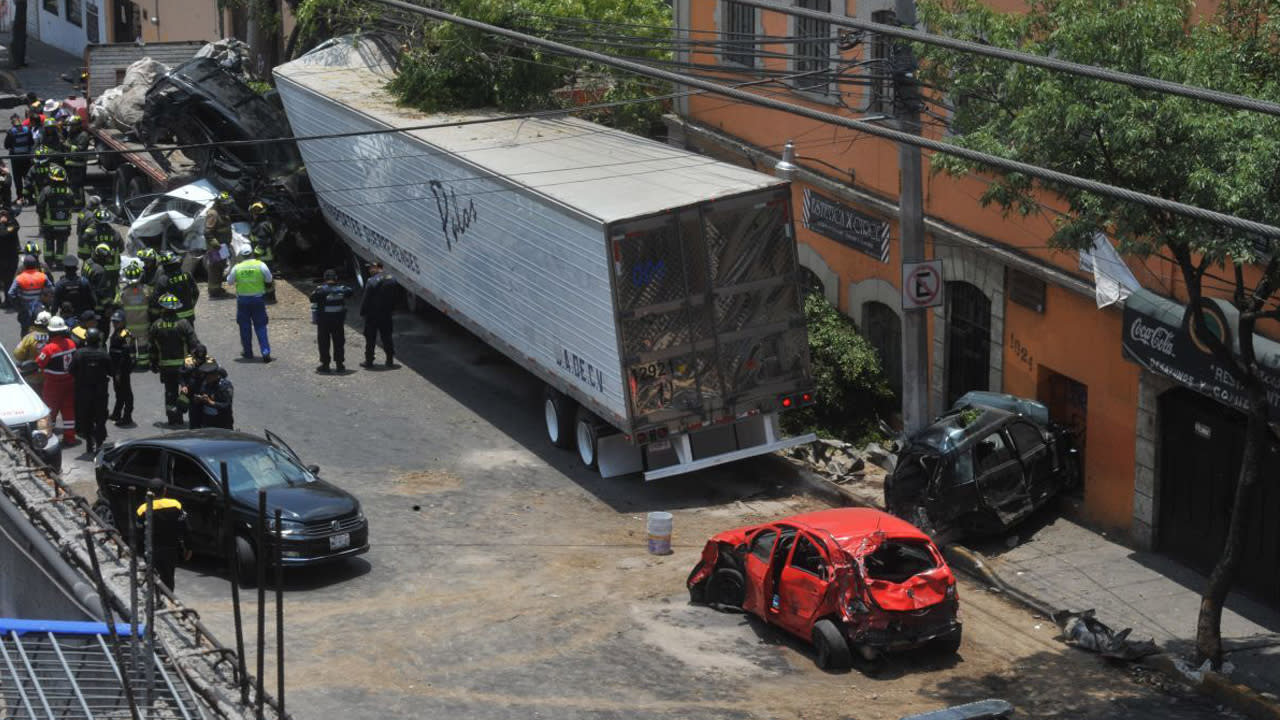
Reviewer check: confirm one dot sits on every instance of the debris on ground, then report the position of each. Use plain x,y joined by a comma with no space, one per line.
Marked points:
1196,674
1085,631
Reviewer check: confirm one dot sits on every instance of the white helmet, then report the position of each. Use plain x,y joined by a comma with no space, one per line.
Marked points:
57,324
42,319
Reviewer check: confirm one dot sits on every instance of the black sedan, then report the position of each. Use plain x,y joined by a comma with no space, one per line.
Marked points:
320,521
982,467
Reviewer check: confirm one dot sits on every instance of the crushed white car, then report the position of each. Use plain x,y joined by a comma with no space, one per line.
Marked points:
174,221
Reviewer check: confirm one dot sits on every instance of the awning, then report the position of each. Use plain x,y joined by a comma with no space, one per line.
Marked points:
1157,335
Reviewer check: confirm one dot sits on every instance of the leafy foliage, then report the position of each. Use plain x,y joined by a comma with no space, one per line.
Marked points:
850,389
445,66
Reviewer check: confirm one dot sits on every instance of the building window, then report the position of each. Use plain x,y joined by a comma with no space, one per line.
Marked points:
883,329
91,27
881,67
739,33
968,340
51,6
814,48
75,13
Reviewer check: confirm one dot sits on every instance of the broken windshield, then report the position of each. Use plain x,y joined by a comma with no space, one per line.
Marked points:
898,560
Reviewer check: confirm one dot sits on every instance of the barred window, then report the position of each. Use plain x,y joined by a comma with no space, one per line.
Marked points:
739,33
814,48
881,67
75,14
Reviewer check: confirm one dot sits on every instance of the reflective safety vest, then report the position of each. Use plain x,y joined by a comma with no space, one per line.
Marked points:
58,204
135,299
30,283
159,504
249,278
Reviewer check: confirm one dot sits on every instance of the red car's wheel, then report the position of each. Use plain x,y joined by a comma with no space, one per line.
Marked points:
726,587
830,646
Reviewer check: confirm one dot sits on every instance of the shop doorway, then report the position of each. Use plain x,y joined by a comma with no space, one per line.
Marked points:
1201,441
1068,403
883,329
126,22
968,340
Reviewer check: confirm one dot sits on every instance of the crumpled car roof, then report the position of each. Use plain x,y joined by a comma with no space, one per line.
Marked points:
849,527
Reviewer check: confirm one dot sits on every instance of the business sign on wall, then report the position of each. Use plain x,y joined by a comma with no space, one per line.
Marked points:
1159,336
846,225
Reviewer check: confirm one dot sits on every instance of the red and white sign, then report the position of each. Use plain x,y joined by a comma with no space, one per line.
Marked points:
921,285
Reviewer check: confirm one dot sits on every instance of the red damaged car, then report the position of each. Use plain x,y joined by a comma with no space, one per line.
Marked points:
851,579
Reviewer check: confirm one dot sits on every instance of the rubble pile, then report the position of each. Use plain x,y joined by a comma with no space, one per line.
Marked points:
121,107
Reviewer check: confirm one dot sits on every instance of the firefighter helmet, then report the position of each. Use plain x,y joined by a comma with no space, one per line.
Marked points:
42,319
74,119
147,254
169,261
257,208
31,248
101,251
57,174
93,203
103,215
169,301
224,198
43,154
51,122
57,324
133,271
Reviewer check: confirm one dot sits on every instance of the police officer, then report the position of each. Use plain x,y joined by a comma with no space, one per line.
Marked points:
102,280
73,288
169,533
77,145
123,349
25,290
189,376
171,339
91,366
59,388
8,248
217,235
134,298
376,307
212,397
249,277
21,143
329,314
172,279
54,206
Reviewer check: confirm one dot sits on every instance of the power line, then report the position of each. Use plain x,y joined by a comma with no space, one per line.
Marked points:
1240,102
1043,174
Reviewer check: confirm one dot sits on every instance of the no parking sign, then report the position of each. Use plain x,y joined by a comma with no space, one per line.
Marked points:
921,285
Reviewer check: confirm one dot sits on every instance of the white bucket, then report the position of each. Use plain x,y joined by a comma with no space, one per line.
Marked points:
659,530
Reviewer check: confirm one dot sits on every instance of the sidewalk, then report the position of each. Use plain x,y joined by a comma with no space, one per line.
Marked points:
45,67
1068,567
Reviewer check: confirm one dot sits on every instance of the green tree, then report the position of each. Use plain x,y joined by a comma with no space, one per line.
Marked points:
1175,148
444,66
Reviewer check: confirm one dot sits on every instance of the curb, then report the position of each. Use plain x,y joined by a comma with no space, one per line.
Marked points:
1216,686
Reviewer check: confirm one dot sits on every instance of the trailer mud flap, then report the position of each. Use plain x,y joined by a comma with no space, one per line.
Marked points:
617,457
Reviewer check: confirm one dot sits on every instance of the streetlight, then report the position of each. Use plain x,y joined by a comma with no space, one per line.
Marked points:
786,167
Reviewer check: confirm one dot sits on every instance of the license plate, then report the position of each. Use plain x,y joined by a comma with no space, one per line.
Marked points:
660,445
337,542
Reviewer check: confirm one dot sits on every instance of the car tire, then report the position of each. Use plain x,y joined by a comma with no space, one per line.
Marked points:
726,587
948,644
103,510
698,591
558,409
587,438
831,649
246,560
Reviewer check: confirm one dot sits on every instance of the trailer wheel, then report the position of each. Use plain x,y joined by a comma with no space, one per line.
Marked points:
559,411
587,437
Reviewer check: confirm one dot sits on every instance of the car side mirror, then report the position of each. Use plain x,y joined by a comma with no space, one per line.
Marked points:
203,491
313,469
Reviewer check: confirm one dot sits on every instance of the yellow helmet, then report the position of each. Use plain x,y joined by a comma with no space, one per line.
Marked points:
257,208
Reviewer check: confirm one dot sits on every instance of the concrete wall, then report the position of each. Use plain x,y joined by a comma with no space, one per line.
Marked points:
38,584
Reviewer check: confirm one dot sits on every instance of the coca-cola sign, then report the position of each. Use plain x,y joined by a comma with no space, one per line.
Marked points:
1155,336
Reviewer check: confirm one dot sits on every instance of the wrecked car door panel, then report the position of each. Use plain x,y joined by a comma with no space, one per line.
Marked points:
1037,461
803,586
1000,480
756,569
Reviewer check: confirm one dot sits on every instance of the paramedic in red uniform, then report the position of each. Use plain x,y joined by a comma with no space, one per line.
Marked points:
59,390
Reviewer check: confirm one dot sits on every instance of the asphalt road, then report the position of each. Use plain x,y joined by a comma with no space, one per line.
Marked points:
505,581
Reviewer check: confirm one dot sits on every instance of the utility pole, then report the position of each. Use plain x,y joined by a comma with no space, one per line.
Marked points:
915,338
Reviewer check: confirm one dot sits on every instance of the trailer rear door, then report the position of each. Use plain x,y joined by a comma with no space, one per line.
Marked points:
709,309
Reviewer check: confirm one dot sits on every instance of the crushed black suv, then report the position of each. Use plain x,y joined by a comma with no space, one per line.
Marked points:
320,521
982,467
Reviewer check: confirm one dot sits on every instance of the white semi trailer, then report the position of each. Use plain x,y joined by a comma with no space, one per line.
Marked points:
654,291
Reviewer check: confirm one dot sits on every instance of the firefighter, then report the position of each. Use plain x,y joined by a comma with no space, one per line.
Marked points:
171,278
169,534
54,361
29,348
84,225
123,349
249,277
217,235
102,232
25,290
73,288
329,315
262,237
134,298
54,206
211,398
8,249
103,282
171,339
77,144
51,137
91,367
38,174
150,265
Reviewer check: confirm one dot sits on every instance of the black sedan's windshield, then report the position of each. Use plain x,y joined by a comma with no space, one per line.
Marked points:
262,467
